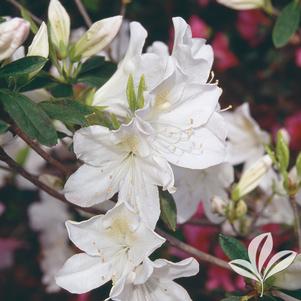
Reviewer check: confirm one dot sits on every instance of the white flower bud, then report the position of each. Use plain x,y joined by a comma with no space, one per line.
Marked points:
218,205
40,45
251,178
59,22
99,35
12,35
285,135
243,4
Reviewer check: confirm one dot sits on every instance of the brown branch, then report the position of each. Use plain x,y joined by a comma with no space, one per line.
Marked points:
297,220
20,7
200,222
34,180
193,251
83,12
36,147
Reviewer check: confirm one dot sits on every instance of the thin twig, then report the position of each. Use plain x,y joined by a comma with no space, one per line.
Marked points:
34,180
297,220
20,7
36,147
193,251
83,12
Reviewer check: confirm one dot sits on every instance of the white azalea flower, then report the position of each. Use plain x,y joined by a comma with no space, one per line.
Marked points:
48,217
183,125
194,186
12,35
290,278
59,22
98,36
246,139
118,161
40,45
113,245
243,4
153,281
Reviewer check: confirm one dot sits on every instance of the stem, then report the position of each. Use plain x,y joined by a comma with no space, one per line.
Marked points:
36,147
20,7
34,180
83,12
193,251
297,220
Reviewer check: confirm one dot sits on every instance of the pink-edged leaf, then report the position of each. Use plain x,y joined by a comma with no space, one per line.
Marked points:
244,268
273,267
264,252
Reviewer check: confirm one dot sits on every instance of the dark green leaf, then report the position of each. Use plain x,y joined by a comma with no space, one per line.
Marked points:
233,248
61,90
286,24
296,294
23,66
67,110
232,298
168,210
3,126
96,71
41,80
29,117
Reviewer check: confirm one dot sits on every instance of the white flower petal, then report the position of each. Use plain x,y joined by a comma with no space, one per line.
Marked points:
82,273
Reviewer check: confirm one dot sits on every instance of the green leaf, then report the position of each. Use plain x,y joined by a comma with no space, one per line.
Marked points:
67,110
96,71
282,152
168,210
286,24
61,90
298,164
233,248
42,80
3,126
23,66
131,94
141,89
296,294
232,298
22,155
29,117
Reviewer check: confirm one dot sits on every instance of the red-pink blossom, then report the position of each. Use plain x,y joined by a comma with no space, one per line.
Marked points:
199,28
250,25
224,57
293,126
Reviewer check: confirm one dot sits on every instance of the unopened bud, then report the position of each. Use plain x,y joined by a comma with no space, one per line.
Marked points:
243,4
282,151
251,178
40,45
59,22
218,205
12,35
99,35
241,209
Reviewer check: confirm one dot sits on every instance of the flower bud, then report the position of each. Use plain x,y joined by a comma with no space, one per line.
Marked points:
282,152
243,4
251,178
59,22
99,35
40,45
241,209
218,205
12,35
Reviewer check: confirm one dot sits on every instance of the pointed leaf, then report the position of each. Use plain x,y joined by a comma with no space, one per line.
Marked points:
29,117
243,268
264,252
168,210
233,248
273,268
3,126
286,25
23,66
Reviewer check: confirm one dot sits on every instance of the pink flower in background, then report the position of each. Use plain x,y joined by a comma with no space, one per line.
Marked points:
224,57
82,297
250,24
293,125
7,248
2,208
199,28
203,3
298,57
